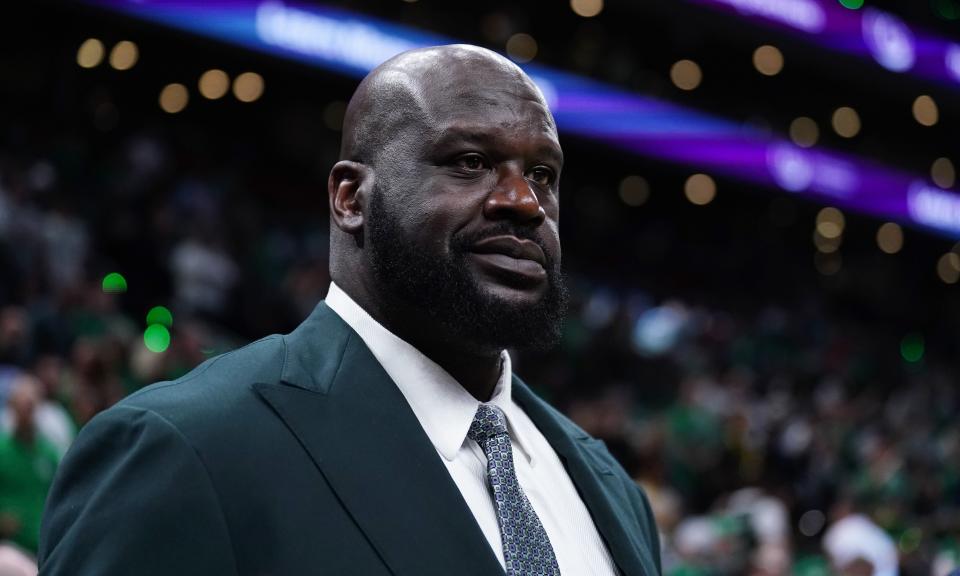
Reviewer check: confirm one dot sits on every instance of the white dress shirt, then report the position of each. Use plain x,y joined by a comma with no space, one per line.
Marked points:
445,410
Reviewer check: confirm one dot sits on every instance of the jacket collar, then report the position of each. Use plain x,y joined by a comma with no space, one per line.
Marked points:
443,407
601,489
362,435
367,443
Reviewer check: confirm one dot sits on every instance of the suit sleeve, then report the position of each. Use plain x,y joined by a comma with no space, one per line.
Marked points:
133,497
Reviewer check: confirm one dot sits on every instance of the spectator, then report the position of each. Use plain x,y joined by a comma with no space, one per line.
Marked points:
27,465
51,420
858,547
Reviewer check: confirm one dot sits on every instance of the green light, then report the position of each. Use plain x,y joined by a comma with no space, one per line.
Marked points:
114,283
852,4
160,315
910,540
947,9
156,338
912,348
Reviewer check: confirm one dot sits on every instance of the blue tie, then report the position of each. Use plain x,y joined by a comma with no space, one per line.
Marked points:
526,547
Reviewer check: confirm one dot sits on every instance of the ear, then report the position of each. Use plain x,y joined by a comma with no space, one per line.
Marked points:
348,185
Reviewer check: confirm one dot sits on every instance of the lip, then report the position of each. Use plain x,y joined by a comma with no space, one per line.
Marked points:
511,259
513,247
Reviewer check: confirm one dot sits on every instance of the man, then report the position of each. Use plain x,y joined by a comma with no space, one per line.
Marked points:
27,464
386,434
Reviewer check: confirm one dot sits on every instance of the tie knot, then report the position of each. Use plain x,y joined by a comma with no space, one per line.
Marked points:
488,422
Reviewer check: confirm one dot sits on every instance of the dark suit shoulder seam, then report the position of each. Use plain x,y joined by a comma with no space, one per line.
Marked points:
193,375
181,380
203,465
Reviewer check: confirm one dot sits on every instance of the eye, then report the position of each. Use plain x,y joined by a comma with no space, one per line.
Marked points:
542,175
472,162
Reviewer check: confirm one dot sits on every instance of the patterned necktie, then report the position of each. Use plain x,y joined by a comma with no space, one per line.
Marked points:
526,547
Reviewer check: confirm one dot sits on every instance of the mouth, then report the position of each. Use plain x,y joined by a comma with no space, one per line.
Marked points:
511,257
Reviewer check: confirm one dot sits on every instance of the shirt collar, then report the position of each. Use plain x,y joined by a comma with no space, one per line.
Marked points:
443,407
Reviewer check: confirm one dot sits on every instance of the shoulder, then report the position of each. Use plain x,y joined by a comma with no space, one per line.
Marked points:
205,408
217,402
215,385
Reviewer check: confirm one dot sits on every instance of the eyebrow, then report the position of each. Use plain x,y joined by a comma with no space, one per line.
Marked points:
484,136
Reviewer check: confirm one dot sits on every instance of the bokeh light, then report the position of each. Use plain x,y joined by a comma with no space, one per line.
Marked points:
586,8
214,84
804,132
826,245
700,189
248,87
156,338
114,283
521,47
830,223
890,238
174,98
948,267
634,190
828,263
768,60
910,540
943,173
160,315
124,55
90,53
912,347
812,522
686,74
925,110
846,122
852,4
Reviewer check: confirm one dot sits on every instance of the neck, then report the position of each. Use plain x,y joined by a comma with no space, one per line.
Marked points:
476,369
477,374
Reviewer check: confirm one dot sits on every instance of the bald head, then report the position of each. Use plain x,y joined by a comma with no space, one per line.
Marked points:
415,91
445,203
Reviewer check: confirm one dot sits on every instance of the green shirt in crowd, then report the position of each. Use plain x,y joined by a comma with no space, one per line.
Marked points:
26,471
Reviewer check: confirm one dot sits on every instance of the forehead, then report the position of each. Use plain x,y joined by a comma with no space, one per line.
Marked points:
514,111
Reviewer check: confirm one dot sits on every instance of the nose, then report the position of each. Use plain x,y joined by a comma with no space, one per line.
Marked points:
513,199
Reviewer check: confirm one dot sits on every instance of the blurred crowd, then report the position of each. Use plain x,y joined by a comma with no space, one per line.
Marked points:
775,442
771,439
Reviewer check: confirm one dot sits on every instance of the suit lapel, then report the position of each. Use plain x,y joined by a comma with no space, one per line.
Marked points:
599,487
362,435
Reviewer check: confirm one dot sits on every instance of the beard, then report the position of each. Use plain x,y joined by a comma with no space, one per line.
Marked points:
443,288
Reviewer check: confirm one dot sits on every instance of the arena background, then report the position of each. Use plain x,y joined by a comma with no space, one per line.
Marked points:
759,226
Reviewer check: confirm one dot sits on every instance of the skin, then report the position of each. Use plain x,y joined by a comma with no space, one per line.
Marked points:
461,144
23,402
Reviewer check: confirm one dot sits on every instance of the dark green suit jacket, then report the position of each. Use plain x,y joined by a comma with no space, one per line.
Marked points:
296,455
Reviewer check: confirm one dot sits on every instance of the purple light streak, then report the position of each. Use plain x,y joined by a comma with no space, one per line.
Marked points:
354,44
868,33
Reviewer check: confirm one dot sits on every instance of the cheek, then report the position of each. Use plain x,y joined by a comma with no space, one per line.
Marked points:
428,226
447,208
550,231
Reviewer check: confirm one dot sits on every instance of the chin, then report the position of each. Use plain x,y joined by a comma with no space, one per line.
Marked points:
509,316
